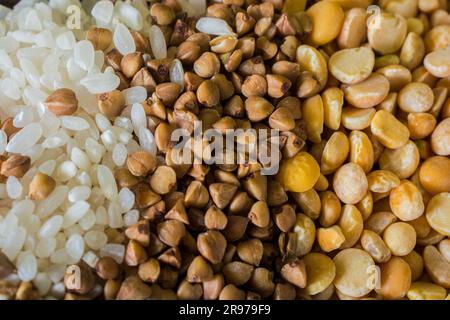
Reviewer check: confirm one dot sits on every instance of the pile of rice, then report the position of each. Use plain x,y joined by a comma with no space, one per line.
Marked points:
39,54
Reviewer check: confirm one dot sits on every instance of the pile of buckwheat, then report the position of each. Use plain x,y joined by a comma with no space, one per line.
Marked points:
332,180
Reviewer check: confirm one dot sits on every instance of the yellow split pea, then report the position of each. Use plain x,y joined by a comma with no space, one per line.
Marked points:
299,173
327,19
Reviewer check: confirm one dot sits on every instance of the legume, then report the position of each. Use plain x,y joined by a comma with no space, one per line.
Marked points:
426,291
352,272
406,201
415,262
327,19
367,93
350,183
352,65
320,270
395,279
437,213
400,237
434,174
386,32
388,130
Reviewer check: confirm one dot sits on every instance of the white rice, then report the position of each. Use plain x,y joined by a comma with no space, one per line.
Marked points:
158,43
123,40
39,54
213,26
177,73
